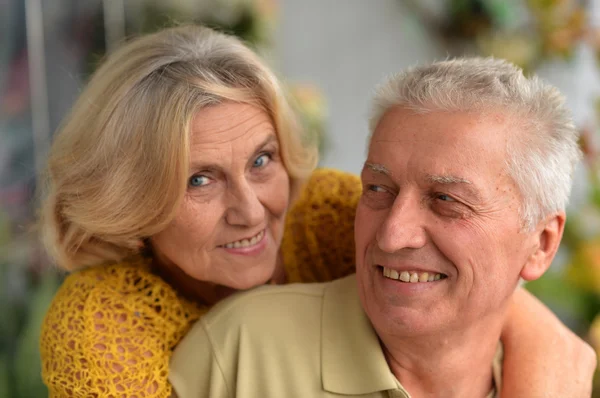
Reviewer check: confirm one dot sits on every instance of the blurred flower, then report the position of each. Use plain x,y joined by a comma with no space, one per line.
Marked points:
588,142
594,334
16,98
310,105
559,23
269,9
584,268
520,49
310,100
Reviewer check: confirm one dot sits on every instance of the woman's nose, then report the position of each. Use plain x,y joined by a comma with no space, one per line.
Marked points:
245,208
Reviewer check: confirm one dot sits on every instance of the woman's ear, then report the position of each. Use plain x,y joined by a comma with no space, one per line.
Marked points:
548,235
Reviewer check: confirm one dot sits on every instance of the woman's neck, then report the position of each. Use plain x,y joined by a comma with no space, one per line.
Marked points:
203,292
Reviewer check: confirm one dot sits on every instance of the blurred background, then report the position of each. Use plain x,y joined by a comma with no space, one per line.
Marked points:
331,53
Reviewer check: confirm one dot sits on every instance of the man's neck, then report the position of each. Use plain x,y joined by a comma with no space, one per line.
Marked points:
455,364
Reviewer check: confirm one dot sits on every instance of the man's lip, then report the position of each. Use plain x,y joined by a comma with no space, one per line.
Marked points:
407,268
240,239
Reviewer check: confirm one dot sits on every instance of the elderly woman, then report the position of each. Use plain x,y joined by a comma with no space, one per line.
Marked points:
181,176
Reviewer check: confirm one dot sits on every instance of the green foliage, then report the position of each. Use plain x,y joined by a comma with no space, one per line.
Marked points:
245,25
24,298
27,362
4,377
578,306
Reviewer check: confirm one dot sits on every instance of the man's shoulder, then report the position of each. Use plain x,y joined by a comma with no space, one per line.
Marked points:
266,301
264,342
260,324
272,308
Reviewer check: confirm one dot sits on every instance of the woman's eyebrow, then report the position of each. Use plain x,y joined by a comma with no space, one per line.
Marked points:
200,165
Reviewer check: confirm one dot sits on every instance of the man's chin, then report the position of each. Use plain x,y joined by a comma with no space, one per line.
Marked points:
403,322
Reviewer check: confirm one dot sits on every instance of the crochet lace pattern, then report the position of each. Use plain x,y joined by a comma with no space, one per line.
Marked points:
111,329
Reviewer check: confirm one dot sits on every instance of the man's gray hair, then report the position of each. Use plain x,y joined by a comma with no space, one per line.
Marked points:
544,151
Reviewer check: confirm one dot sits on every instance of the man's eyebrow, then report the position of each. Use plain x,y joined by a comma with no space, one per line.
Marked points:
455,180
378,168
447,179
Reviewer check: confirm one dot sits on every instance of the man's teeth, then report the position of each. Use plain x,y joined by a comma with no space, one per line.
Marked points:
410,277
245,242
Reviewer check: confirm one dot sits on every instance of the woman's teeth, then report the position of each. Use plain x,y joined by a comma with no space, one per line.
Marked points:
411,277
246,242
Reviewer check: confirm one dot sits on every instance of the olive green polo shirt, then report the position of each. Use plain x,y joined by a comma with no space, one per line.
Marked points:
302,340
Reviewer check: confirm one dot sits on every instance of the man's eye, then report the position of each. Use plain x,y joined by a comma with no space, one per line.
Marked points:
377,197
375,188
262,160
445,198
198,181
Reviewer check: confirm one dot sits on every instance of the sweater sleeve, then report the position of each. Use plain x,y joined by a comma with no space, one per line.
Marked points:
110,333
318,243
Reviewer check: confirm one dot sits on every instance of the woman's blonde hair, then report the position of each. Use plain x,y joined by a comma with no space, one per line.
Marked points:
117,169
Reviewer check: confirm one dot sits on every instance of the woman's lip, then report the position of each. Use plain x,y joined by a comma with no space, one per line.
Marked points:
264,230
253,250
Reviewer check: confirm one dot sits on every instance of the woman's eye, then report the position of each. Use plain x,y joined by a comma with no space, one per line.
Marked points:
262,160
198,181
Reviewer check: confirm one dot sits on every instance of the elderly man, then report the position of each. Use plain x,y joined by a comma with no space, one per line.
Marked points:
464,192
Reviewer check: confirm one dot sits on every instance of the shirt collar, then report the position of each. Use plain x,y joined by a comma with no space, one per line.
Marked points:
354,364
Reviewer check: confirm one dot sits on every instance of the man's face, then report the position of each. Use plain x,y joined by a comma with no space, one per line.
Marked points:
438,210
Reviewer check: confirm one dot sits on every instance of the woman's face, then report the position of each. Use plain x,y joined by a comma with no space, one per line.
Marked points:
229,226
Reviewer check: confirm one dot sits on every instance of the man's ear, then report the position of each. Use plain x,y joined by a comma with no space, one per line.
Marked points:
547,239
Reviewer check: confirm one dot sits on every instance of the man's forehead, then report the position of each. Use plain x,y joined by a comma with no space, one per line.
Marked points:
392,126
449,141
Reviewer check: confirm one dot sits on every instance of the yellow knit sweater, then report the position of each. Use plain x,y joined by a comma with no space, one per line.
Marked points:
111,329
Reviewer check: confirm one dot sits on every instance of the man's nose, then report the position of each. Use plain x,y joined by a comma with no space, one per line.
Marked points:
245,208
403,226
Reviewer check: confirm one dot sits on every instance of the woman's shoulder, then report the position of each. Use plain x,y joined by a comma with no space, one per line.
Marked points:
113,276
128,281
109,319
330,184
122,292
128,277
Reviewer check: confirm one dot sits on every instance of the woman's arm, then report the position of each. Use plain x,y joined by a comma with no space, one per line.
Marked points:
543,358
318,243
102,338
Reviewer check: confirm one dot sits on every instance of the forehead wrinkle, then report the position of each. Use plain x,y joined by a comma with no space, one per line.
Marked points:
213,149
220,134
